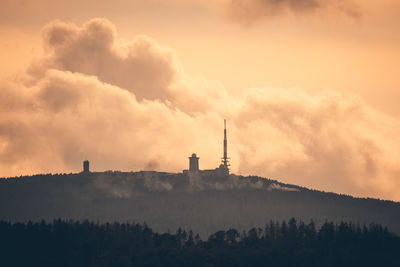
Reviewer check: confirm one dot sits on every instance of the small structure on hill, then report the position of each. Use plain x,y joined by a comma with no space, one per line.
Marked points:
194,163
86,167
223,168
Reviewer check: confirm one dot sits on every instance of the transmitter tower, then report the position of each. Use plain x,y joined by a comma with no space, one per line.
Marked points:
225,159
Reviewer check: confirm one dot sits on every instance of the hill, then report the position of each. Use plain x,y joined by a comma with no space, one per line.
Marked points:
166,201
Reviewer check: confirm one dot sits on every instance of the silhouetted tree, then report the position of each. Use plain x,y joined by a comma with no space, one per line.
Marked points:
68,243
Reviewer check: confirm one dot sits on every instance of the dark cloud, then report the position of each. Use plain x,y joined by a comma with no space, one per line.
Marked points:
250,11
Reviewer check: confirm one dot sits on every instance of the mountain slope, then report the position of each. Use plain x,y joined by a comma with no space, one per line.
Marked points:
165,201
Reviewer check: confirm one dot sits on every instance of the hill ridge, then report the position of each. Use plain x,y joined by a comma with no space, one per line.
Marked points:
171,200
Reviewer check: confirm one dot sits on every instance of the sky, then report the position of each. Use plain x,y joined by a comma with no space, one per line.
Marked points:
310,88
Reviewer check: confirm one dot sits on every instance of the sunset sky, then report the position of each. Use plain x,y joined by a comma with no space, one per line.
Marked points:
310,88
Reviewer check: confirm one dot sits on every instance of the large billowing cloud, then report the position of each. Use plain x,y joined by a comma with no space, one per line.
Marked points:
131,106
250,11
142,66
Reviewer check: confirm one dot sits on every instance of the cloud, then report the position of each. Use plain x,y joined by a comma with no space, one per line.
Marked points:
275,186
136,184
130,106
141,66
334,139
198,183
248,12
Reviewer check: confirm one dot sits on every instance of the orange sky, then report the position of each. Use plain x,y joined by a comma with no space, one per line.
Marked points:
289,77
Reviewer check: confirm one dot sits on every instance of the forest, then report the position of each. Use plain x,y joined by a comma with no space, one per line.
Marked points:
292,243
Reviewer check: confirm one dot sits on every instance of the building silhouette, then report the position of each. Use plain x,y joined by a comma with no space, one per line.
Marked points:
86,166
223,168
194,163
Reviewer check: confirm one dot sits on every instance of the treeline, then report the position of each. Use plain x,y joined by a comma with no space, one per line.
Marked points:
292,243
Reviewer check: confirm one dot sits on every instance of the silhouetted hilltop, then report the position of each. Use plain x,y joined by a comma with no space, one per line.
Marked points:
165,201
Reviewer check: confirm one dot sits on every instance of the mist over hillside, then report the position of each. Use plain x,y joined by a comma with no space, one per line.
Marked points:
167,201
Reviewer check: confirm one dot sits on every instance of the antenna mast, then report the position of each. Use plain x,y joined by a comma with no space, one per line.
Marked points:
225,159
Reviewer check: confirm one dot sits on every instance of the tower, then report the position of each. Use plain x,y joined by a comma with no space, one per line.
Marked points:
193,163
225,159
86,166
